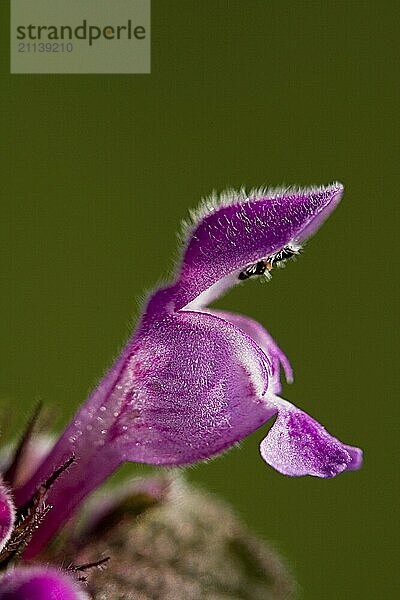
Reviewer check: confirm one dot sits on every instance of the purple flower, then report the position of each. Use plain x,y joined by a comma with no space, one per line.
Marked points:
39,583
192,382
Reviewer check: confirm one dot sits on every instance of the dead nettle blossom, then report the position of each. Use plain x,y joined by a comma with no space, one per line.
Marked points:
191,381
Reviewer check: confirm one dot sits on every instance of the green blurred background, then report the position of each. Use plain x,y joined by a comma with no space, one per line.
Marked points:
97,172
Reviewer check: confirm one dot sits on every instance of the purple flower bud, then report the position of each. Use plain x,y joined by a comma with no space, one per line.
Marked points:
39,583
7,515
192,382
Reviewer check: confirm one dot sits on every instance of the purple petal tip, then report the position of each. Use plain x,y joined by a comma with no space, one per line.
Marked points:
331,197
356,455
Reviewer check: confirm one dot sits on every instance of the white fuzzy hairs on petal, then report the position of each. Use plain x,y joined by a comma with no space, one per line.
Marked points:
215,201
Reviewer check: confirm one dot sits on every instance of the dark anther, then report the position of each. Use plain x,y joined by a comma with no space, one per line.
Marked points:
257,269
284,254
261,266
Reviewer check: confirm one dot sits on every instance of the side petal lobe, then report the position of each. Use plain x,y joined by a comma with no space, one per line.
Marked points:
298,445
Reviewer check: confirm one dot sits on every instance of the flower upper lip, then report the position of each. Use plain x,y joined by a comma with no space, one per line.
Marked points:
253,226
